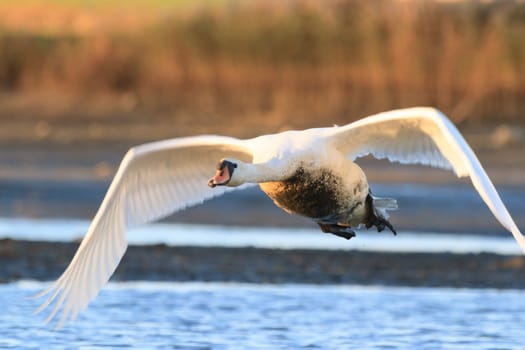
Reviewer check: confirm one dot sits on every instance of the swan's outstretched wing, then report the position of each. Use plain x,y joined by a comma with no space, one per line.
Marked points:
423,136
153,181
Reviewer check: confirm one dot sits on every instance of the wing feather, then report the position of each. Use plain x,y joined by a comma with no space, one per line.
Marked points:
153,181
421,136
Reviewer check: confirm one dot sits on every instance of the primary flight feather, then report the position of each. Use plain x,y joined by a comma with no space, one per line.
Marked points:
310,173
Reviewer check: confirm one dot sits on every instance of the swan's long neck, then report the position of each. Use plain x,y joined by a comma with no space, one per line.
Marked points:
261,172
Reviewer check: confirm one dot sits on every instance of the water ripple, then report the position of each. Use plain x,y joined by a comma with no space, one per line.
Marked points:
243,316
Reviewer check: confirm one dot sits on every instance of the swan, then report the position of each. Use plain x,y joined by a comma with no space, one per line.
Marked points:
310,173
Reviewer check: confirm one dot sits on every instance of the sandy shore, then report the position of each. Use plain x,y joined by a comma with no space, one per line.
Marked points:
45,261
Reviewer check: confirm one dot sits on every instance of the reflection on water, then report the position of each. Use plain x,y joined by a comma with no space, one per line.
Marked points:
267,237
232,316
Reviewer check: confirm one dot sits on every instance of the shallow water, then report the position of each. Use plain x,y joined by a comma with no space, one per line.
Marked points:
240,316
265,237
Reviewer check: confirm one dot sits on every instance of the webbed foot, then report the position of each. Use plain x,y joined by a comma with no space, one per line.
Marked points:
380,223
376,219
338,230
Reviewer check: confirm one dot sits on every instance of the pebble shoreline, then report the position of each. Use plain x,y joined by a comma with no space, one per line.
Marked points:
45,261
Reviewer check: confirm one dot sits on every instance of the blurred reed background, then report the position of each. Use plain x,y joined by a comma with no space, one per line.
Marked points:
253,66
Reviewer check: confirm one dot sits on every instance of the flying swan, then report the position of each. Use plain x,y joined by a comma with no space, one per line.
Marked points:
310,173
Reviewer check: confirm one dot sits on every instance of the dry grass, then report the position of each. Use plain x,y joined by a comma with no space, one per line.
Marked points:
294,63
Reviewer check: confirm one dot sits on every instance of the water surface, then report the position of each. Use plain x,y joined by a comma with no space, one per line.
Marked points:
242,316
266,237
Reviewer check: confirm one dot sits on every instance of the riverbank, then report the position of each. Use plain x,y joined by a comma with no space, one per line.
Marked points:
23,260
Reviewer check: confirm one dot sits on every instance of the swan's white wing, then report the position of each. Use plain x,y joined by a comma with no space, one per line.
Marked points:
423,136
153,181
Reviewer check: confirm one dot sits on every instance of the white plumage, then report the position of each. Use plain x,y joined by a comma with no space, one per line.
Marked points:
160,178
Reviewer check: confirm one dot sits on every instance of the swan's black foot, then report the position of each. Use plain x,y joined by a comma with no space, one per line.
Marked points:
374,219
341,231
380,223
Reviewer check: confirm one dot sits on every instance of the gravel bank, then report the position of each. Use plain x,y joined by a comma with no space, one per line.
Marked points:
46,260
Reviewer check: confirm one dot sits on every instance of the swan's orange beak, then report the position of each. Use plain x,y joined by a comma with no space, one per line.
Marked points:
222,177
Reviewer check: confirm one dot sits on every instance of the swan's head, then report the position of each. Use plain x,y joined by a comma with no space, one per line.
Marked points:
224,174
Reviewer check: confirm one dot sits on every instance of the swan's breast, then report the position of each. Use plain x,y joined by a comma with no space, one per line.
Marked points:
315,194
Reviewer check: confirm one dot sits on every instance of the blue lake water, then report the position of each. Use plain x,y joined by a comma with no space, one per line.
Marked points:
241,316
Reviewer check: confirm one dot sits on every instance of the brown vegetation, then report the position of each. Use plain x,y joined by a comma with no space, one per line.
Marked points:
285,64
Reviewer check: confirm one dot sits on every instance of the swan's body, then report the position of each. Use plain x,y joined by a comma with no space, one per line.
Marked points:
310,173
334,198
320,193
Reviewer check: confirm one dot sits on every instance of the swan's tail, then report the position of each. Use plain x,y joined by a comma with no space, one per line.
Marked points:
381,205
